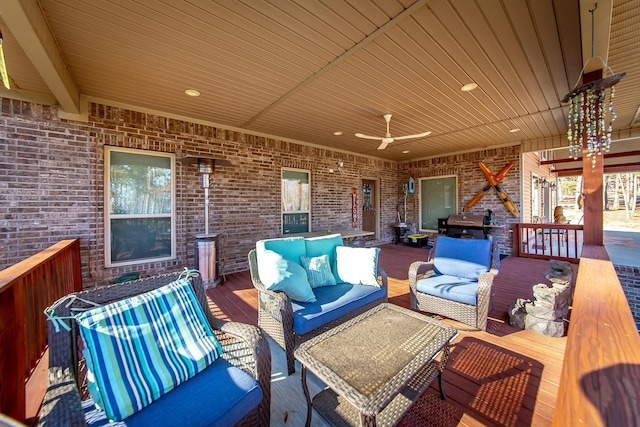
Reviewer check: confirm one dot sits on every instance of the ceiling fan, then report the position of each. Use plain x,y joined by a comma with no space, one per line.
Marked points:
388,139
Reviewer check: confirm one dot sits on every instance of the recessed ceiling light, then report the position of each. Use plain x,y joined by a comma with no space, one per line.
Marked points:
468,87
337,133
514,130
192,92
405,151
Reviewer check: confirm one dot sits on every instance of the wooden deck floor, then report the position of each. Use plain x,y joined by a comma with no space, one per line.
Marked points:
502,377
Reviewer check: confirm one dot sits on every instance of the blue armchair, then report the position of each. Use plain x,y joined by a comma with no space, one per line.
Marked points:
457,282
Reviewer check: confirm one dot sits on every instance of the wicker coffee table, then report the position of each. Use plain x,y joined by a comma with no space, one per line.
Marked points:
375,365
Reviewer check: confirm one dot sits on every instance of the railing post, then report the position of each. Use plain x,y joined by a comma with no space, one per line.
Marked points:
12,357
517,242
26,289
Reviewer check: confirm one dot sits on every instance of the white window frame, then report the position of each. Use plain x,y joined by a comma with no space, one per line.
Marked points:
297,211
453,201
535,199
108,216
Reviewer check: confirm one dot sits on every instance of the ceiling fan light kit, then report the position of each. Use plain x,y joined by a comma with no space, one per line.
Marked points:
388,139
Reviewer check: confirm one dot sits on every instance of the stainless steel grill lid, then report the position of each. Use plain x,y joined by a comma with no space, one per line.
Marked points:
466,220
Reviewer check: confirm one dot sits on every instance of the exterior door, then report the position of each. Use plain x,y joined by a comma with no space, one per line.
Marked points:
369,203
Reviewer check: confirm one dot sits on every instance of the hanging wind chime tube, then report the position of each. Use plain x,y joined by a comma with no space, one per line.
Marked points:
591,117
590,106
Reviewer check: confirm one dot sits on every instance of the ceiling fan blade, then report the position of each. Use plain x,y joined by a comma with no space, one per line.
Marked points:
417,135
384,145
361,135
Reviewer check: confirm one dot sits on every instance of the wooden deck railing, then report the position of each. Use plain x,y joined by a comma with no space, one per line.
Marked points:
601,370
26,289
548,241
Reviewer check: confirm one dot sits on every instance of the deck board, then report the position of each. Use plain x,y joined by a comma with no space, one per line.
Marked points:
502,377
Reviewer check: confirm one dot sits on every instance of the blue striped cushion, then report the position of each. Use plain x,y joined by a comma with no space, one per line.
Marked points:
140,348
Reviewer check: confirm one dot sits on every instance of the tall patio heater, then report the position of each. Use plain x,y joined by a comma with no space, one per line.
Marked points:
206,244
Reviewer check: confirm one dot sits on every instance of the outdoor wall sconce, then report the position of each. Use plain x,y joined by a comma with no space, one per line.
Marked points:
340,164
543,183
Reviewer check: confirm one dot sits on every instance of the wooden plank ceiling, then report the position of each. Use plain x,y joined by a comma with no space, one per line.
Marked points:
302,70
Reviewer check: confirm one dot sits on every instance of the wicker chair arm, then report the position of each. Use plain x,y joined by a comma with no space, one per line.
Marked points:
414,270
250,352
61,405
273,302
382,277
277,304
256,343
485,281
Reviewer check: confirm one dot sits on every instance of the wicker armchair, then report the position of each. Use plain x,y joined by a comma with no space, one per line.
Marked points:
245,347
275,314
474,315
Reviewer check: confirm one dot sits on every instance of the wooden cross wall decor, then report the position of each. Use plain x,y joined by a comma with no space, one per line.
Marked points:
493,182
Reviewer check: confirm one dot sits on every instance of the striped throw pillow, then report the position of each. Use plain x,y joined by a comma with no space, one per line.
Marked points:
142,347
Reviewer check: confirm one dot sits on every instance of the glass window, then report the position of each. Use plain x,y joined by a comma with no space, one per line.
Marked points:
438,199
139,206
296,201
535,200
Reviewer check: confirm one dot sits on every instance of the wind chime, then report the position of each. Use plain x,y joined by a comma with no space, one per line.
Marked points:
591,112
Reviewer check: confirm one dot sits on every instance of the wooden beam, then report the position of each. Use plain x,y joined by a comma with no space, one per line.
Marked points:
620,168
27,24
606,156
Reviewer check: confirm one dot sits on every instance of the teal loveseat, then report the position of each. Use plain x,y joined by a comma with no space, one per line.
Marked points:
307,285
457,281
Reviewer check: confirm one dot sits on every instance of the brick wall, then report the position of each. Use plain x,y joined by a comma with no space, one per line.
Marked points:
630,280
470,181
51,186
52,180
45,194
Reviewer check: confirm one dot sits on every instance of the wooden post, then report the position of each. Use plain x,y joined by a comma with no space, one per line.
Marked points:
592,177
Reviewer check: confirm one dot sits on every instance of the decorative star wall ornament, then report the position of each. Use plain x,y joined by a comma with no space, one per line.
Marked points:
493,182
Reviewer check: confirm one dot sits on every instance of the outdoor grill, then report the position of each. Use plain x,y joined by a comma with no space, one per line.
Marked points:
467,226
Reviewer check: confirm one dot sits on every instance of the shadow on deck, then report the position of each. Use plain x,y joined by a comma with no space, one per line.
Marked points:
505,376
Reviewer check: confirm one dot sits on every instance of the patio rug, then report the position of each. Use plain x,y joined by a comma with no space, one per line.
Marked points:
485,383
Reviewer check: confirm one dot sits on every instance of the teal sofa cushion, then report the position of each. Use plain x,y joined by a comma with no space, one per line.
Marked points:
467,258
324,245
289,247
279,273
